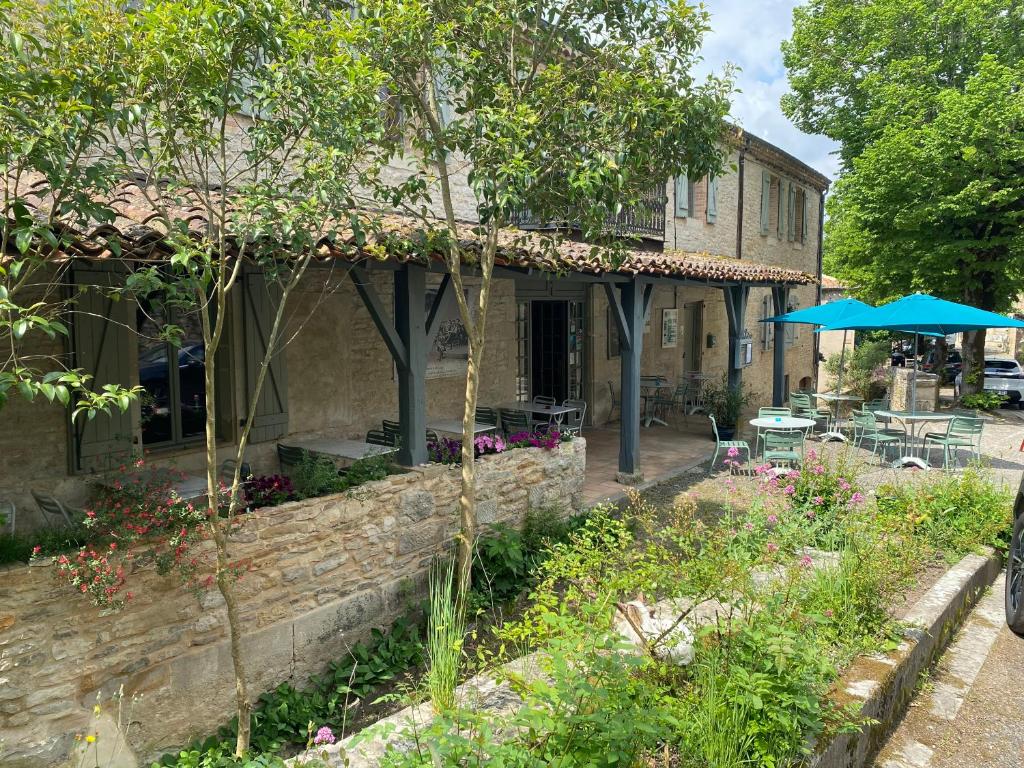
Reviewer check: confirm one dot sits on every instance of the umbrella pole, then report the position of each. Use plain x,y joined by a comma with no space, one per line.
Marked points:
842,356
913,379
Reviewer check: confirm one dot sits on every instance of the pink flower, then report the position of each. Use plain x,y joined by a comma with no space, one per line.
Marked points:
811,455
733,452
828,614
748,526
857,498
806,562
789,490
36,549
772,547
773,519
819,500
818,469
843,484
793,474
810,514
324,736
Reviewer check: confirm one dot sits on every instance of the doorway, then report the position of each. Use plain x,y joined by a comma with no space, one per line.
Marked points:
549,350
693,333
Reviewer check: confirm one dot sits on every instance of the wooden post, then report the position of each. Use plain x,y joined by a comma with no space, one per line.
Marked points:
780,301
629,308
410,322
736,310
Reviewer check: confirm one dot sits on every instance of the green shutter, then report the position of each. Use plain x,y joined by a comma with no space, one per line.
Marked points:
101,336
791,211
766,197
712,208
803,223
682,196
780,223
261,299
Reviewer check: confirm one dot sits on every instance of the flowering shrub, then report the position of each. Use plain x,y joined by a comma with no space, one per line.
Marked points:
268,491
135,517
447,450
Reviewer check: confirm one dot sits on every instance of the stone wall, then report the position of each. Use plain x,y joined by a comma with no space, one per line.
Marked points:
324,572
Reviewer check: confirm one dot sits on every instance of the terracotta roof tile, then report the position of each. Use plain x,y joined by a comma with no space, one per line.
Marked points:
141,236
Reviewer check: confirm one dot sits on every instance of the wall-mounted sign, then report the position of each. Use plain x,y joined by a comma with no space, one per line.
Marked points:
669,328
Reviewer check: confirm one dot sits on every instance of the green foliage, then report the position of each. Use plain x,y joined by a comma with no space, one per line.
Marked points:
984,401
446,634
954,515
317,475
865,369
282,716
18,547
726,403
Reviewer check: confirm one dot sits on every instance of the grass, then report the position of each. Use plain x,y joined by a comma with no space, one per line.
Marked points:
446,633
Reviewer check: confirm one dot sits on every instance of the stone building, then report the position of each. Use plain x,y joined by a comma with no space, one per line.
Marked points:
700,243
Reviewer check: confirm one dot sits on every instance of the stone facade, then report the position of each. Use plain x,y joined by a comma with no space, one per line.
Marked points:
324,572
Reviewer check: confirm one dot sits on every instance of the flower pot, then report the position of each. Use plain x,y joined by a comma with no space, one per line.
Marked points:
726,433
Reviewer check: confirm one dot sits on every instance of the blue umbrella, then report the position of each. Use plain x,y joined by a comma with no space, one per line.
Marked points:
825,314
920,313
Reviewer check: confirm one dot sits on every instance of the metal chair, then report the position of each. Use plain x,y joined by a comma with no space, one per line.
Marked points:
962,432
574,419
865,427
50,506
768,412
9,514
542,423
432,437
289,456
488,416
801,404
227,471
742,445
380,437
616,401
393,430
513,421
780,446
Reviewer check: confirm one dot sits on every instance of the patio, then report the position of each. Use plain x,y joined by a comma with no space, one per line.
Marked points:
664,452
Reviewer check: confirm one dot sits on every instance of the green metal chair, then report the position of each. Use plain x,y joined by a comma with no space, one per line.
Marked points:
742,445
488,416
52,507
392,429
866,428
514,421
768,412
801,403
289,456
781,446
962,432
380,437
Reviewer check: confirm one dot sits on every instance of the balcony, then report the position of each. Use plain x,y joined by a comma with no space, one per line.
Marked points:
645,219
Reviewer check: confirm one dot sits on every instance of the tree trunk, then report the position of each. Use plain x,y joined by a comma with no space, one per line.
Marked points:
974,362
467,498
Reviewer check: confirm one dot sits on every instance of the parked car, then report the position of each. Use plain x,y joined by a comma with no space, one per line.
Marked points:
1003,375
1014,595
954,364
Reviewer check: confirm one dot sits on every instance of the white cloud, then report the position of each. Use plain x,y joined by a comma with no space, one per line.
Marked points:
748,33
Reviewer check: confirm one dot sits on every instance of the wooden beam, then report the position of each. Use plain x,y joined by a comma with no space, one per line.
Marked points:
632,309
371,300
410,323
432,316
615,304
780,298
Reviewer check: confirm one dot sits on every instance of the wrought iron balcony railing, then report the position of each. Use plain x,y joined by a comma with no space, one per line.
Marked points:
645,219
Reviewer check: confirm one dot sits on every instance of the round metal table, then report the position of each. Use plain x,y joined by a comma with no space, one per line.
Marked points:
911,421
782,422
833,433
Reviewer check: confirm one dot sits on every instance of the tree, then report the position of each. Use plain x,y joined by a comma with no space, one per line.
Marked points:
59,96
568,110
926,101
261,116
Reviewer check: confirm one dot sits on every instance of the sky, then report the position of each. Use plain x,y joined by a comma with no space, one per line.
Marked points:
748,33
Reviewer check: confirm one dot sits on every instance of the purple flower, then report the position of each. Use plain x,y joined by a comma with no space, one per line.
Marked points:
324,736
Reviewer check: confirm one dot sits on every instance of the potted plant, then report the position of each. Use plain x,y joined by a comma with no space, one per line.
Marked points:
726,404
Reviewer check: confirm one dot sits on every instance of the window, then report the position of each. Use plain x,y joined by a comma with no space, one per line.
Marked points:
171,375
522,351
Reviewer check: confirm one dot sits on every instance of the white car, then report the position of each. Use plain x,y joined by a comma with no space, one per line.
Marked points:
1003,375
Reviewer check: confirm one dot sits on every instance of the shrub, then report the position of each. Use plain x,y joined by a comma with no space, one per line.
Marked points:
268,491
19,547
866,369
955,515
319,476
985,401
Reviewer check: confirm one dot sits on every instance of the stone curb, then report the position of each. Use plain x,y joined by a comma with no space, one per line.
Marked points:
884,684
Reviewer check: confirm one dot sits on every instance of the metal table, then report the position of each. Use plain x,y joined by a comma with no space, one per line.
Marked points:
781,424
909,419
555,413
836,400
454,427
650,386
339,448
